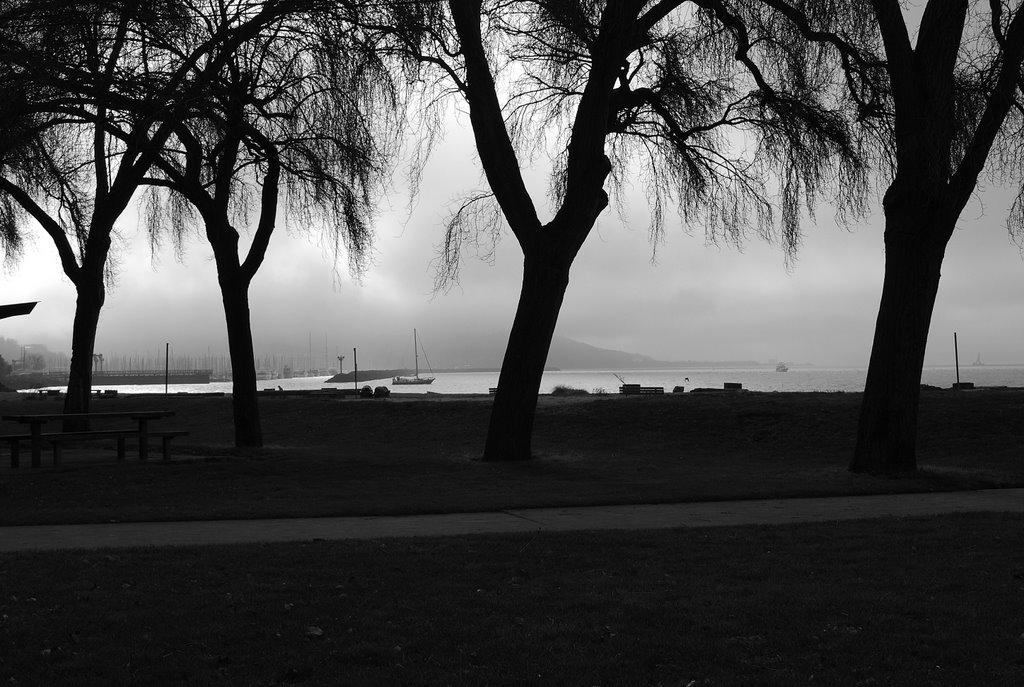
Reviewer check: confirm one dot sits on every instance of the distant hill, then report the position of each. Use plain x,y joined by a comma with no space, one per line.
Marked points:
565,354
568,354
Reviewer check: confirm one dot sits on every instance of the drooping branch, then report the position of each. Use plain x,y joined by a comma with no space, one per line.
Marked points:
67,256
497,155
268,202
997,104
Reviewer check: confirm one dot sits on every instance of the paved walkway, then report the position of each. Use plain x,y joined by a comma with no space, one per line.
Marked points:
713,514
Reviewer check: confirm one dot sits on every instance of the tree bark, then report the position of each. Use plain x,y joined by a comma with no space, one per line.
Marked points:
234,283
509,434
549,249
235,294
887,429
91,295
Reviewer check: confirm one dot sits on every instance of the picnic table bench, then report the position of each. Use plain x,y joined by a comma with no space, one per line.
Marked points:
637,389
36,436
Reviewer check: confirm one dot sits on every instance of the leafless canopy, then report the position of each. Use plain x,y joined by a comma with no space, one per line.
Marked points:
96,93
305,107
981,43
995,30
42,44
97,83
736,114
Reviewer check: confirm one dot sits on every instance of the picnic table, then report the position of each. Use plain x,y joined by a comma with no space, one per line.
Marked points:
36,436
642,390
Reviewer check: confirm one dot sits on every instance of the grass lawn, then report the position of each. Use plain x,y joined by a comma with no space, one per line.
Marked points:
326,456
932,602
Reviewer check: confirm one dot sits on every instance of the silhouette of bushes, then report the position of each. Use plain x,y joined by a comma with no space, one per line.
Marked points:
563,390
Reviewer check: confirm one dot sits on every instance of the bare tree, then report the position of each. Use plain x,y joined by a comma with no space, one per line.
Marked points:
948,107
955,93
724,118
35,164
116,81
304,113
943,110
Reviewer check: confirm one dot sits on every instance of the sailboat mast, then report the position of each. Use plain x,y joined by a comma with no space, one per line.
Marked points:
416,352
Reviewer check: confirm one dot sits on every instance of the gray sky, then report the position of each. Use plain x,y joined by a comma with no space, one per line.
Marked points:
697,302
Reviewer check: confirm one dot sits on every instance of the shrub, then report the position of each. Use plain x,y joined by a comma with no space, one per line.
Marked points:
563,390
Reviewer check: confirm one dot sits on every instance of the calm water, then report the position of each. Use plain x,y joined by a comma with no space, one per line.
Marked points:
764,379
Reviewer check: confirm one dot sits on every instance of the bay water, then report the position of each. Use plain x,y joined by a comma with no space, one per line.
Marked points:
753,379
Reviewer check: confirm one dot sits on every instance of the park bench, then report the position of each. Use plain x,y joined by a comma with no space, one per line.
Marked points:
36,437
640,390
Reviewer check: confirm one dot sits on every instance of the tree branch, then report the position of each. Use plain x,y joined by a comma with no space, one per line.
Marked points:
268,204
889,16
656,13
939,37
68,260
998,103
498,157
743,45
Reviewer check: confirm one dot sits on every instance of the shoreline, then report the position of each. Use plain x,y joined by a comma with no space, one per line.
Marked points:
598,382
348,394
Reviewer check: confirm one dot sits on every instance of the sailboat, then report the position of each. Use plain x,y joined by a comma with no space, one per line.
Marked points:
415,379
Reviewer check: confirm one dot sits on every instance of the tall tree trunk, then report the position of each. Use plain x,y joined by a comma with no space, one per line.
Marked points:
509,434
235,294
887,430
91,295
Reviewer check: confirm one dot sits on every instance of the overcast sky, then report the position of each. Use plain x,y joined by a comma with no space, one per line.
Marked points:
695,302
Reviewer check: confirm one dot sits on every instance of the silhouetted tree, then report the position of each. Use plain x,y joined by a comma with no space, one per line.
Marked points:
69,55
34,163
725,119
116,80
954,93
943,108
303,114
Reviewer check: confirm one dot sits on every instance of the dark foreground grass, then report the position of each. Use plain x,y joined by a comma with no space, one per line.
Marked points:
326,456
932,602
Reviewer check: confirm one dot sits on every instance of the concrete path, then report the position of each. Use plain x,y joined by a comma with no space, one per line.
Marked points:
719,513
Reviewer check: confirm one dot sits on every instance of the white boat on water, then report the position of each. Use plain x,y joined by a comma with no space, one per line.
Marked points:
415,379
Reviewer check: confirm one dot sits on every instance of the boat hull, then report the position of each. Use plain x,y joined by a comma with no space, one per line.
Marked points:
412,380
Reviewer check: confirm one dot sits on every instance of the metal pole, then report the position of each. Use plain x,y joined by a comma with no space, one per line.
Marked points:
355,371
956,359
167,364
